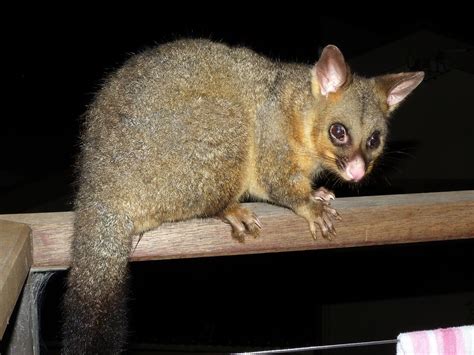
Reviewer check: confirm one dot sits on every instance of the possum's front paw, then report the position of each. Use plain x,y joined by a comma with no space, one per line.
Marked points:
319,213
323,216
324,213
243,221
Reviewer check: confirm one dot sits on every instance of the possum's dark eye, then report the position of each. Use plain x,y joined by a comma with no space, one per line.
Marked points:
374,140
338,134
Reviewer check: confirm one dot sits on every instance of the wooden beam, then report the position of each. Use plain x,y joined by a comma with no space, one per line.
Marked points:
371,220
15,262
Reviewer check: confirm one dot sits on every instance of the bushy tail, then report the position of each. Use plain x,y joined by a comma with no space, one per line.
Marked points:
95,301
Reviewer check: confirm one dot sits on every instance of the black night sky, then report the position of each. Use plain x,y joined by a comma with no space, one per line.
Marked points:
56,58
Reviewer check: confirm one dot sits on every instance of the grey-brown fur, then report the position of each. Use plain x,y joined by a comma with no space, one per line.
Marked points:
187,130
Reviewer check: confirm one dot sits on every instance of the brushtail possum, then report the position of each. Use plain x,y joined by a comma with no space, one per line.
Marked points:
191,128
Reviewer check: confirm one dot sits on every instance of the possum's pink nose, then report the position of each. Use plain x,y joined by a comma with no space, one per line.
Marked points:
355,169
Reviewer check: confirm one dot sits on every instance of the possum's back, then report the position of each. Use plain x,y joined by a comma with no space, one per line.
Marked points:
168,76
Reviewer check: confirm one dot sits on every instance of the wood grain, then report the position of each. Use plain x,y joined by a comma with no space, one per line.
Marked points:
15,262
372,220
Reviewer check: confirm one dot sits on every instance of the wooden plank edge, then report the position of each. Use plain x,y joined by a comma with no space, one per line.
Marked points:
16,263
369,220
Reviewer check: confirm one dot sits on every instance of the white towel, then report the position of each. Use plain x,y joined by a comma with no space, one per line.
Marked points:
447,341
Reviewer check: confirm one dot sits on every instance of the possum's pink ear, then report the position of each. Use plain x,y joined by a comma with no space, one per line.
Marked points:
398,86
330,72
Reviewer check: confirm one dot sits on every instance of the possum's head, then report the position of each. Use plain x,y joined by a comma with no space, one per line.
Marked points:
353,112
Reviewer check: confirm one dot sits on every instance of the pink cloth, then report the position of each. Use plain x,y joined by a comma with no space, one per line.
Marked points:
448,341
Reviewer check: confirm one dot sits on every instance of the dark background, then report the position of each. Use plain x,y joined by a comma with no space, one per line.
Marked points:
55,61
